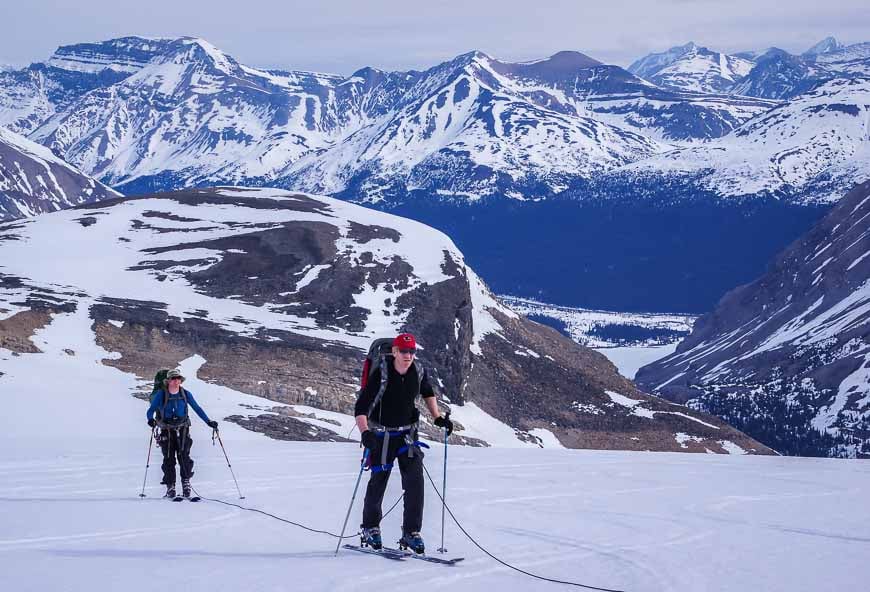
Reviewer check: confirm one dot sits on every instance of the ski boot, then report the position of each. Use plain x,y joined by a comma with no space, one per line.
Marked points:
371,537
412,541
185,487
170,491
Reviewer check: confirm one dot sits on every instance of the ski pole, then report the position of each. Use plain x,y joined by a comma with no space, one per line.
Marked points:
218,434
442,549
147,462
362,466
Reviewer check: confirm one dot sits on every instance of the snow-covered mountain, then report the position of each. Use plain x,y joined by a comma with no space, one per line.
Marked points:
826,45
787,357
31,96
145,114
847,60
178,112
278,295
778,74
771,74
692,68
811,149
33,180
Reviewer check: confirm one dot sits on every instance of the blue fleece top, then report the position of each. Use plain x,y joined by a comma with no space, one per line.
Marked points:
175,407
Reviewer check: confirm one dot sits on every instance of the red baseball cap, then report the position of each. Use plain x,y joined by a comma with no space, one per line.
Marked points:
405,341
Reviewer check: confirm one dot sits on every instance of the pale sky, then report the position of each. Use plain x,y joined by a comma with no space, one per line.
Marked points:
340,36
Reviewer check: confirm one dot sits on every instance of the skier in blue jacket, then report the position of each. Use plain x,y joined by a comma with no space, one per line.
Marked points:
174,423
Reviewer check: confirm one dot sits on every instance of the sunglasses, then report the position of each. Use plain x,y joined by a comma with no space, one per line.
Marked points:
403,350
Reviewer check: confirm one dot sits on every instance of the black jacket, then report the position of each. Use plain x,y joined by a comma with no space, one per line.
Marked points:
397,406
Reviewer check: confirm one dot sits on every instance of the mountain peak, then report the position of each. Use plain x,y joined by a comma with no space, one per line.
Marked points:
773,52
570,59
473,57
123,54
648,65
200,49
826,45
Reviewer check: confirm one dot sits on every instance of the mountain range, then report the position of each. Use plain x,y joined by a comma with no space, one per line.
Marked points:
496,154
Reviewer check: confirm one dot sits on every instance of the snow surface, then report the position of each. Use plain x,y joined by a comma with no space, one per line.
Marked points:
73,445
640,522
628,360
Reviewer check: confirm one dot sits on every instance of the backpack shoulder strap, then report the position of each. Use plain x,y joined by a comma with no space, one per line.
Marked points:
385,375
421,372
181,391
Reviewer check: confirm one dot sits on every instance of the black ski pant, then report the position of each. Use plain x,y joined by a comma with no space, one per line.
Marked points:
175,444
411,469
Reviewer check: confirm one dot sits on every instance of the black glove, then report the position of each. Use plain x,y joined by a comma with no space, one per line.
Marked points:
444,422
212,424
369,440
152,422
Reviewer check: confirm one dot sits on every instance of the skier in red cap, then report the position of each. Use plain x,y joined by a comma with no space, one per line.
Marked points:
387,417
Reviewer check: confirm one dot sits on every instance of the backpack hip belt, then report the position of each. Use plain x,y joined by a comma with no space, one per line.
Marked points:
408,432
378,428
174,425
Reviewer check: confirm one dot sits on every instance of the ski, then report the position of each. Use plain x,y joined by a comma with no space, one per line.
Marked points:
399,555
393,554
421,557
180,498
195,498
177,498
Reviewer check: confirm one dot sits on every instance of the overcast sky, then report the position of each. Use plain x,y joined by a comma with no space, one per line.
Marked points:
340,36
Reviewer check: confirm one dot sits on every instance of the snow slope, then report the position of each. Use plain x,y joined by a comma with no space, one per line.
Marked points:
33,180
73,467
